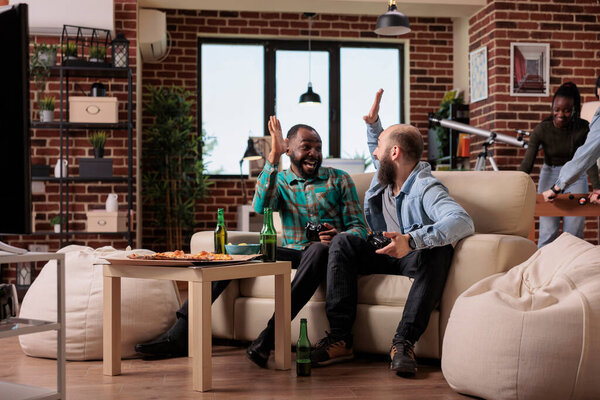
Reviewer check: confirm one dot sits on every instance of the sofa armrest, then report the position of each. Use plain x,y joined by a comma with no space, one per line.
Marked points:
477,257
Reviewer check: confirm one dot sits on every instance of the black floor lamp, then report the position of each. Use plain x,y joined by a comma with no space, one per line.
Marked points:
251,154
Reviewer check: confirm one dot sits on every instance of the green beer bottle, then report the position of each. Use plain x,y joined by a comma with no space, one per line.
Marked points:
268,236
303,351
220,234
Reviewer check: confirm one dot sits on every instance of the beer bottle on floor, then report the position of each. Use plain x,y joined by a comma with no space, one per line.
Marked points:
303,351
268,236
220,234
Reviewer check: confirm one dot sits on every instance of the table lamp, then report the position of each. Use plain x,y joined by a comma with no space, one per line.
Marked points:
251,154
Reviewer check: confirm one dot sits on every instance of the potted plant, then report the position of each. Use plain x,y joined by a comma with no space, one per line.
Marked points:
97,54
56,222
47,109
98,140
69,51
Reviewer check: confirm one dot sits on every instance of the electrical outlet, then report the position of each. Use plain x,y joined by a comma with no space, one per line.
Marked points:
38,248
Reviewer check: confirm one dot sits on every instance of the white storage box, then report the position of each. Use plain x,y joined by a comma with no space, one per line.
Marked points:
106,221
93,109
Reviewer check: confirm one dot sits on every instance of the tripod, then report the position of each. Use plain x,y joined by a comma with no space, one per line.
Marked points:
485,156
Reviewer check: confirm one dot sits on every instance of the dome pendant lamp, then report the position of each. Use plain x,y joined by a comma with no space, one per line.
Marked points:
393,22
309,97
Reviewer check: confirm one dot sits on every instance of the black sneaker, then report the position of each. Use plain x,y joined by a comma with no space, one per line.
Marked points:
402,354
332,349
259,350
173,343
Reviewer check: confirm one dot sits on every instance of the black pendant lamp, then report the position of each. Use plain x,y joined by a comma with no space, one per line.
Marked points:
309,97
251,154
393,22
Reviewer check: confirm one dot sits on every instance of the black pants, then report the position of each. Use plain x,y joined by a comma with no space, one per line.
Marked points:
311,268
351,256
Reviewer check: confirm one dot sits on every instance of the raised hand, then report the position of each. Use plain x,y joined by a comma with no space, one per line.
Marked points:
278,144
373,114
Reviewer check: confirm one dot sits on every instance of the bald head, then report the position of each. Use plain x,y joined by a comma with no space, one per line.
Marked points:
407,137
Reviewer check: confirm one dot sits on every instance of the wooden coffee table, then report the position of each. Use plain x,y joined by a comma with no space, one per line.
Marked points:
200,326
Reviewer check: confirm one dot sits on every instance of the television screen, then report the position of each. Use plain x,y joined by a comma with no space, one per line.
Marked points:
15,195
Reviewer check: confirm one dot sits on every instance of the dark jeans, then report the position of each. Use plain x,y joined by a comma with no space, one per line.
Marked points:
351,256
311,268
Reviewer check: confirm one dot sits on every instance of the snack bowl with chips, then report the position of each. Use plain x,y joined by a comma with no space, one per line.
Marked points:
242,248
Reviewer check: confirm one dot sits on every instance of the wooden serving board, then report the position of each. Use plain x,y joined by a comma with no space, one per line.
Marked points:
182,263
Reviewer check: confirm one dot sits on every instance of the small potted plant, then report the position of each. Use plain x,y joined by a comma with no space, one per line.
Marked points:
56,222
47,109
69,51
98,140
97,54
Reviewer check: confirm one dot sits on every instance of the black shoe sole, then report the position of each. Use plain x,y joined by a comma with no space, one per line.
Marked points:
336,360
404,369
257,358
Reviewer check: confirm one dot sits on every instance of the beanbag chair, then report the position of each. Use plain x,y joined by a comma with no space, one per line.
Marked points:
147,306
532,332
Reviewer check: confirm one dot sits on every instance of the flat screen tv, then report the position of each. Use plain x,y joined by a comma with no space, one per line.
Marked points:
15,194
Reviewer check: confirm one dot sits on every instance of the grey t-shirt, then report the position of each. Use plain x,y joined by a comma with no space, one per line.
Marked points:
390,213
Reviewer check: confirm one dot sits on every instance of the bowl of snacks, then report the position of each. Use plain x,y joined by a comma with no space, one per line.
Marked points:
242,248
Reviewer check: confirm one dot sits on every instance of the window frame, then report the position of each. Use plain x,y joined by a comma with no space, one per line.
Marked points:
271,46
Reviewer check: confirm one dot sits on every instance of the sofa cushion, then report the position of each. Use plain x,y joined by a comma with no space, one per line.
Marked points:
506,207
147,306
388,290
530,333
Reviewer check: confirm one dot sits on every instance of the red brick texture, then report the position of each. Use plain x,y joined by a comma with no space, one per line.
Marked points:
45,150
573,31
430,72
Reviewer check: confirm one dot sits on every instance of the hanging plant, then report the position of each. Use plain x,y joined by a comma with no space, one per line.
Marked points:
444,112
174,172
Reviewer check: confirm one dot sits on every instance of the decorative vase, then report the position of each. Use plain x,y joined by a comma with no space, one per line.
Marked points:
112,204
46,115
99,152
61,166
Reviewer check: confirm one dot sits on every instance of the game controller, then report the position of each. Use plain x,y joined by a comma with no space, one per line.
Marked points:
312,229
377,241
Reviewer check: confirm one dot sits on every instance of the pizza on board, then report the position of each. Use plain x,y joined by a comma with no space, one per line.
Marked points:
180,255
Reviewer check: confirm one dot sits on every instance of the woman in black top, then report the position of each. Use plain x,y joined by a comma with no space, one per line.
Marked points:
560,135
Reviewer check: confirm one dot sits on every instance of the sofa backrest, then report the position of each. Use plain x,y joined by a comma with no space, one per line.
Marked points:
501,202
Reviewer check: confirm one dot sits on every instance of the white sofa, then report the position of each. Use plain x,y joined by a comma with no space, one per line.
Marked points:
501,205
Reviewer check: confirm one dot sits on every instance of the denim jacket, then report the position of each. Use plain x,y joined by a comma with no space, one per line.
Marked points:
424,207
584,156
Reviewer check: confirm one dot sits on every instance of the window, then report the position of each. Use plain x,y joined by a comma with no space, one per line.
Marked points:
243,82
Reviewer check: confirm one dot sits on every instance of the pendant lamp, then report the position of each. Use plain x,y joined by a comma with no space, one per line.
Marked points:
393,22
309,97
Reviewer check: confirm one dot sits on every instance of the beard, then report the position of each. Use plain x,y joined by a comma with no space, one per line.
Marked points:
386,174
298,163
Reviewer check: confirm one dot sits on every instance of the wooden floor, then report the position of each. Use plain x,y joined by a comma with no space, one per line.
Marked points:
234,377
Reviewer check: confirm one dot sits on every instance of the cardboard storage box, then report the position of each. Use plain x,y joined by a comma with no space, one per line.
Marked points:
105,221
93,109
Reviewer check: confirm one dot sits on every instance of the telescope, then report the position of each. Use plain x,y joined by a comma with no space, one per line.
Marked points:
491,136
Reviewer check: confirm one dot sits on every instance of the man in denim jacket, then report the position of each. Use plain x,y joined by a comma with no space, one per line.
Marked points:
422,221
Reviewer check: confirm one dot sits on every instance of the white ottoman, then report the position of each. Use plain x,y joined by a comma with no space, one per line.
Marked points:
530,333
147,306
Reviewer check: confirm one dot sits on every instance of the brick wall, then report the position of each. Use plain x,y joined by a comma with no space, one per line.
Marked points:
573,31
45,151
430,73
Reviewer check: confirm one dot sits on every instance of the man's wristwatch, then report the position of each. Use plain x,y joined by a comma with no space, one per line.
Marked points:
411,242
554,190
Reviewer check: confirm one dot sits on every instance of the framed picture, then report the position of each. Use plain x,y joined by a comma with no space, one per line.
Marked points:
479,74
530,69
